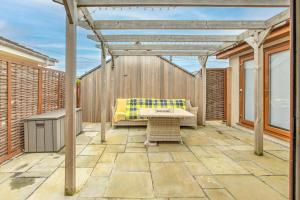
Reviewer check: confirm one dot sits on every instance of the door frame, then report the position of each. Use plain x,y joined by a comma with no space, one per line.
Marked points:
242,120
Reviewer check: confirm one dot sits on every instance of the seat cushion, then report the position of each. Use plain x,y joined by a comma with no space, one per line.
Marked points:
120,110
133,105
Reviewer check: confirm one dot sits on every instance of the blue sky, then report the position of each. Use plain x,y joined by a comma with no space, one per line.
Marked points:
40,24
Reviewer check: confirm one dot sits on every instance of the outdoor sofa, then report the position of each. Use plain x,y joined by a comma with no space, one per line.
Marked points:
126,111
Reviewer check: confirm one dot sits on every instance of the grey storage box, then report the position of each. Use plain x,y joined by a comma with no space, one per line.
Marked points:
45,132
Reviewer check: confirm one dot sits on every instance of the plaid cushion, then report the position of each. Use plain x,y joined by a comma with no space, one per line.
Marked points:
133,105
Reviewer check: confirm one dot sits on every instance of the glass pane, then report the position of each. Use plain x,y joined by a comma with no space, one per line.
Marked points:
280,90
249,74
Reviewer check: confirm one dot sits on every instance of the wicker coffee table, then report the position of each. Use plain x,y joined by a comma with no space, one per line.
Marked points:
163,125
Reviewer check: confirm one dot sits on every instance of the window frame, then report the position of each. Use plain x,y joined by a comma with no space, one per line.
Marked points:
269,129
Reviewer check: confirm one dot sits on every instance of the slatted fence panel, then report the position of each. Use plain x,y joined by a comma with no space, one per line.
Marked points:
19,99
215,87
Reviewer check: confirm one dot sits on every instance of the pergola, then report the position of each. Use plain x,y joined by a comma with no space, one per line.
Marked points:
256,33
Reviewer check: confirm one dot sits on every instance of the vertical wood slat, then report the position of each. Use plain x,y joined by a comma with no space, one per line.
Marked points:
9,108
40,91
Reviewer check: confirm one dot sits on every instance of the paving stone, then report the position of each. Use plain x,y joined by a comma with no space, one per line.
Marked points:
172,180
198,140
284,155
218,194
197,168
279,183
108,157
239,187
53,187
160,157
208,182
19,188
254,168
94,187
83,139
115,148
132,162
222,165
129,185
90,150
116,139
183,157
135,150
135,145
168,148
103,169
137,138
5,175
22,163
199,151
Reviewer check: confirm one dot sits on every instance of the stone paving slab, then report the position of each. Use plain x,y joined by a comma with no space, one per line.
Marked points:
239,186
132,162
129,185
172,180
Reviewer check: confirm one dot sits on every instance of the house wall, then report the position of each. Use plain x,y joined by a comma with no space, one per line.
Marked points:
144,76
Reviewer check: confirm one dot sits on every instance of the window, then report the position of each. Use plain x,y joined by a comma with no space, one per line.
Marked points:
277,90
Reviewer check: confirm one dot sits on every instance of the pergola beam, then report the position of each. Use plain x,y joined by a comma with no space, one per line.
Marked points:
162,53
174,24
69,7
90,23
166,38
181,3
170,47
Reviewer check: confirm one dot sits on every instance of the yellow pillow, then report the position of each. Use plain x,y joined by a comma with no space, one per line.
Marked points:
120,110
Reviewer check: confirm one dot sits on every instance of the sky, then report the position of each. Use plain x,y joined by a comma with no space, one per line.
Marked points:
40,25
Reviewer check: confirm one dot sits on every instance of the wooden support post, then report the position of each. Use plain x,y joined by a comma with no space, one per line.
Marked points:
70,98
256,42
9,109
104,92
295,139
112,86
203,61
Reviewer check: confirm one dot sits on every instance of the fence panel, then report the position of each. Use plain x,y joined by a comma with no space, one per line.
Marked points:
25,91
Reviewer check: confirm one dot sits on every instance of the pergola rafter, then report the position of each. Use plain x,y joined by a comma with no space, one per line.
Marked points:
166,38
170,47
256,30
202,3
174,24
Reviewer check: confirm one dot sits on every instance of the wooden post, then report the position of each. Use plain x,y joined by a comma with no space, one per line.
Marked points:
70,92
203,61
104,92
228,95
112,87
40,91
9,108
256,42
295,139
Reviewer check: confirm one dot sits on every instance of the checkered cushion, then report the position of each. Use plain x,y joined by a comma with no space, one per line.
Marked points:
133,105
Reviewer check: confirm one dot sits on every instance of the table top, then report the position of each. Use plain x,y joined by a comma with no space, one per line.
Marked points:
176,113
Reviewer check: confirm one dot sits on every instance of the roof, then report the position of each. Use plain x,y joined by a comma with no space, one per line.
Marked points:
170,62
237,48
11,44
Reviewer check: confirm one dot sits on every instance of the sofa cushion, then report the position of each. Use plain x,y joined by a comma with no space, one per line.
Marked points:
133,105
120,110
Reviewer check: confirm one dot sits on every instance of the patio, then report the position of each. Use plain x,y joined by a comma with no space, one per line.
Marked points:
215,162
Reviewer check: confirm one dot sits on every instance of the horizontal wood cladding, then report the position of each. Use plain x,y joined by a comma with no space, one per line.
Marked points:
138,76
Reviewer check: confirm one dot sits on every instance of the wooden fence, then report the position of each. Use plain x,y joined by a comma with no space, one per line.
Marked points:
154,77
24,91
